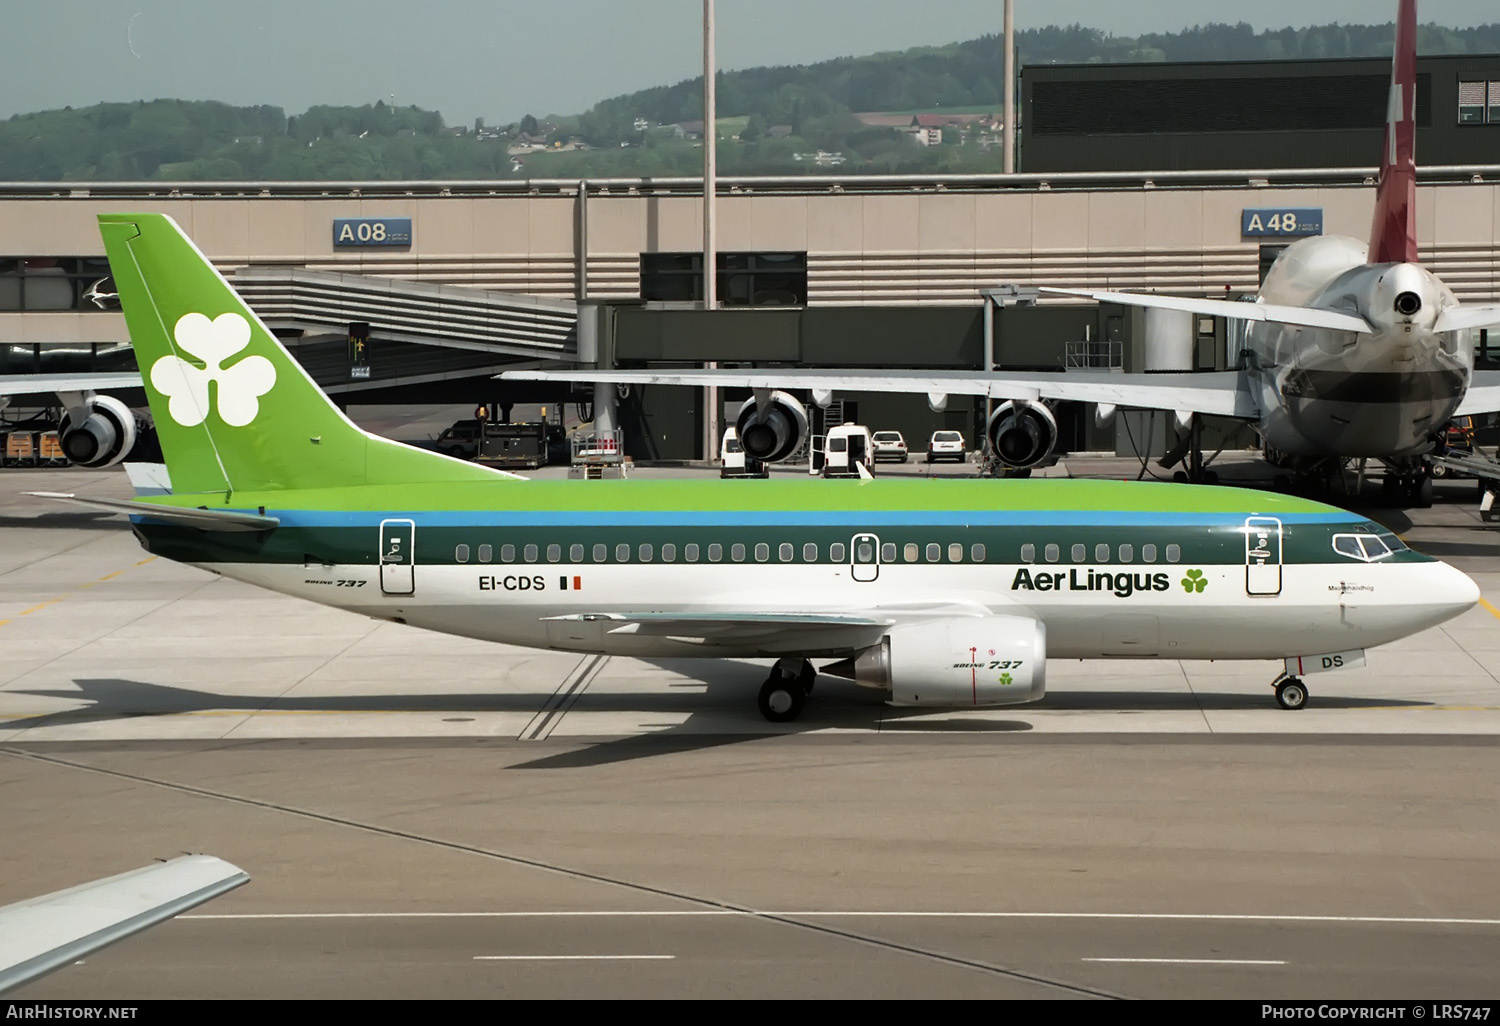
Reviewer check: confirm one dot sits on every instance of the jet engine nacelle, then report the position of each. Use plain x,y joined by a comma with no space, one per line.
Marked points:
771,431
102,434
1022,433
966,661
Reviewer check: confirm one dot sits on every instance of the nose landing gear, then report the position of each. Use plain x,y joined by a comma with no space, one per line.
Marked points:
1291,693
784,694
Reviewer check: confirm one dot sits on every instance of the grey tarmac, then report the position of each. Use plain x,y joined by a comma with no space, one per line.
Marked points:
430,817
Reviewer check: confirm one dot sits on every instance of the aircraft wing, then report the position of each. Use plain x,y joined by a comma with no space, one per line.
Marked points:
28,384
203,519
1221,393
1302,316
1456,318
39,935
773,633
1482,395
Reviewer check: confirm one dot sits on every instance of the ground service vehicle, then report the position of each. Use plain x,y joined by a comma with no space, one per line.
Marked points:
889,445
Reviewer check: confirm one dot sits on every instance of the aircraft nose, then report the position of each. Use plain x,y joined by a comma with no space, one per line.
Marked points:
1455,591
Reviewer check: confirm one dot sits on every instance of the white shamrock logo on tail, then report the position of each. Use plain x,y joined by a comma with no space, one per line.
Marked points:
213,342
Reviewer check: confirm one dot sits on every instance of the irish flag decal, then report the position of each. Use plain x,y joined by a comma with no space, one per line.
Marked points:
570,583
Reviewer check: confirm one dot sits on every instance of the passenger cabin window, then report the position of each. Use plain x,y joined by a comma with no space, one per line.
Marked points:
836,552
785,551
762,552
485,553
690,552
668,552
601,553
715,552
737,552
888,552
575,553
554,553
1148,553
810,552
865,551
976,552
645,552
1080,552
911,552
622,553
955,552
1028,553
461,553
1101,553
1174,553
1052,553
530,553
934,552
507,553
1127,553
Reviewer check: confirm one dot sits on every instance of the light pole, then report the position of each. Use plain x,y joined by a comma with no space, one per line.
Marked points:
1010,87
710,250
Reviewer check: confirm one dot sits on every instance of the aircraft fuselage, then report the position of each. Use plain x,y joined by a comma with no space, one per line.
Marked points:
1354,394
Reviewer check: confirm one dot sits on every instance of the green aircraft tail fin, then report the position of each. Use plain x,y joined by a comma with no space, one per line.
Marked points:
233,410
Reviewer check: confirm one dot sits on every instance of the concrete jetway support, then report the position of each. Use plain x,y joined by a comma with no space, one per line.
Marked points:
596,350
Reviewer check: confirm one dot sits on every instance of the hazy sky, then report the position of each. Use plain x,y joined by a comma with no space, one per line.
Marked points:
499,59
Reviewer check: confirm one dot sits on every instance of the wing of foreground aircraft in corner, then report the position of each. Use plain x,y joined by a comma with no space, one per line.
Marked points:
43,934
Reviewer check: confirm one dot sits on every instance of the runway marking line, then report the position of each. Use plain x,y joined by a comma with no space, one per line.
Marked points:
81,587
1187,916
1188,961
569,958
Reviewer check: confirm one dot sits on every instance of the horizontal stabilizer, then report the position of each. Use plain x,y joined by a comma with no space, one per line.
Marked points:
1300,316
1456,318
203,519
36,384
43,934
1482,395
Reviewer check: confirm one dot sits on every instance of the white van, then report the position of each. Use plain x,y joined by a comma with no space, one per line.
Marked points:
734,462
848,452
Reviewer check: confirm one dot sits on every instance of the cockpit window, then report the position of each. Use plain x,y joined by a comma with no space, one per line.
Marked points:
1366,548
1347,545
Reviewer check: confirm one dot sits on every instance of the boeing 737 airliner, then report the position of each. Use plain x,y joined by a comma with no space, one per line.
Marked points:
944,593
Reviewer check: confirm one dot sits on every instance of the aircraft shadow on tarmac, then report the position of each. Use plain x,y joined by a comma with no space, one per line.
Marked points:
70,521
724,691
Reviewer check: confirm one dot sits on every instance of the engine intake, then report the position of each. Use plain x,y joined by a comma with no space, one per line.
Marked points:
1022,433
771,431
102,436
966,661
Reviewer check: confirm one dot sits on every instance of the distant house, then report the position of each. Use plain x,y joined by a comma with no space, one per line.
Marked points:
641,124
779,131
925,136
688,129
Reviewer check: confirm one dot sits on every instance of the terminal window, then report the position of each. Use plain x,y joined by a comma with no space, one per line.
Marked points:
745,279
56,283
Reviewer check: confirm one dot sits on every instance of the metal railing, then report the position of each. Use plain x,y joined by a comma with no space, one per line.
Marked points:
848,182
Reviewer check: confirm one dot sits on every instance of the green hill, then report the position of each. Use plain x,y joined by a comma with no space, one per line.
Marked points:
768,117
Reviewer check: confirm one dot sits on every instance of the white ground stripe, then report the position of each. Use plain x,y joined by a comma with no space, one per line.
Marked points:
816,914
569,958
1187,961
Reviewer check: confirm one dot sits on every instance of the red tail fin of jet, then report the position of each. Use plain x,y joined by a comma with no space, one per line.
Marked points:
1393,238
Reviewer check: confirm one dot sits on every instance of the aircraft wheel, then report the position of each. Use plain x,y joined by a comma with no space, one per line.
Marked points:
781,698
807,676
1291,694
1180,477
1424,492
1211,477
1438,470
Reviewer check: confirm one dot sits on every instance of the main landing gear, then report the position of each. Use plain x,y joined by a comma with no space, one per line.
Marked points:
785,691
1291,693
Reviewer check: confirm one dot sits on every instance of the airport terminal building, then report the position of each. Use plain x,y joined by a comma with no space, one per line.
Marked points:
445,284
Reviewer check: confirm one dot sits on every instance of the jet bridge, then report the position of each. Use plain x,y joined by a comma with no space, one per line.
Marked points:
409,332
